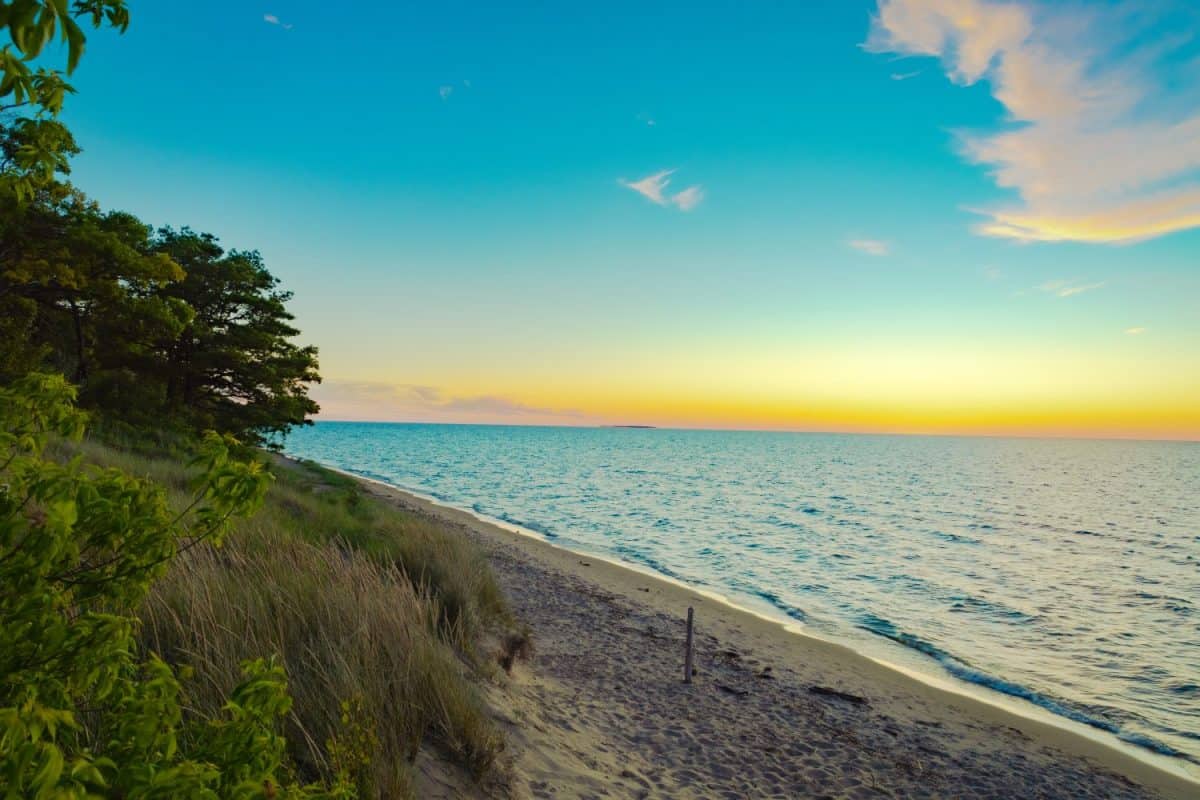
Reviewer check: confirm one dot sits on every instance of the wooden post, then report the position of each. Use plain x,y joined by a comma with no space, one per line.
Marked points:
687,660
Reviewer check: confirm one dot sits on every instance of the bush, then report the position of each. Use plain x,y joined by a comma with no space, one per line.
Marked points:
81,713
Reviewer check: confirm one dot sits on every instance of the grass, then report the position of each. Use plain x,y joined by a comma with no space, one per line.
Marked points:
376,614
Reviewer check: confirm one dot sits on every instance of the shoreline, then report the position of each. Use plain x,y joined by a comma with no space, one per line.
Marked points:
780,640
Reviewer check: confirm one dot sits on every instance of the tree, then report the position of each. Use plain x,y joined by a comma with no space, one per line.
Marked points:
234,366
96,296
86,288
81,713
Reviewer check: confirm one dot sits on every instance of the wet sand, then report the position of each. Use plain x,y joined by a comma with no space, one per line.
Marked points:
601,710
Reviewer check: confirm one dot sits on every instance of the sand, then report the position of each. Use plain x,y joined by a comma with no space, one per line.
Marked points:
601,709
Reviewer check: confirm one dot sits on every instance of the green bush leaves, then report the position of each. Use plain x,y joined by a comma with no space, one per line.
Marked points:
81,713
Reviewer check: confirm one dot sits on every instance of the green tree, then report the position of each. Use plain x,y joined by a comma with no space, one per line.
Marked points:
81,713
234,367
85,287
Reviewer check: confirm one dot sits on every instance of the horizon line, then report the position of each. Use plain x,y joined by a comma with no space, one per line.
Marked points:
637,426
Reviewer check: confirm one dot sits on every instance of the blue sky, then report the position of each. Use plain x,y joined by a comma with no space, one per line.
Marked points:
446,188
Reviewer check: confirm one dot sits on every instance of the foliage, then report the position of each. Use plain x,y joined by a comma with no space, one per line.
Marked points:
93,284
44,144
154,328
101,297
358,598
234,366
81,714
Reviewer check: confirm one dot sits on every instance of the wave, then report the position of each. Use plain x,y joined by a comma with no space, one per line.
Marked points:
963,671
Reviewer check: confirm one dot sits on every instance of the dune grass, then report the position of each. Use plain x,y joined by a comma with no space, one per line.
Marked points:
375,613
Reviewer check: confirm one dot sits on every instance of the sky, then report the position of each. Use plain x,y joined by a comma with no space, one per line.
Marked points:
911,216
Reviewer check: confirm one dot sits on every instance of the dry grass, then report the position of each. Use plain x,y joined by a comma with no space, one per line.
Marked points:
375,613
347,628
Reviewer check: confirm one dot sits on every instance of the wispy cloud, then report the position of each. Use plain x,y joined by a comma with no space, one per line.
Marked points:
872,247
654,188
993,273
903,76
1061,288
1135,331
689,198
1105,141
271,19
445,91
420,403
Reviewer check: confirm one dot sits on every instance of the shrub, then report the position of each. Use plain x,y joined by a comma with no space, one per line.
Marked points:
81,713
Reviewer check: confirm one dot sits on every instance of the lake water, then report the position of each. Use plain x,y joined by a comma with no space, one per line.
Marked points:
1064,573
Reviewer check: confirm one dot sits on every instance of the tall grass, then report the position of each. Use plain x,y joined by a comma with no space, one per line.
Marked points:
347,628
375,613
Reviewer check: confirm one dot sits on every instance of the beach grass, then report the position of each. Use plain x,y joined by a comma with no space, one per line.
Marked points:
377,615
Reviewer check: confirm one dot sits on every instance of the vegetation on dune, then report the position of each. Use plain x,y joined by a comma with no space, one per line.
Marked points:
146,620
174,626
82,714
365,605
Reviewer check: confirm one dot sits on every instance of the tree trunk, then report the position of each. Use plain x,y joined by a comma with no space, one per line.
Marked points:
81,365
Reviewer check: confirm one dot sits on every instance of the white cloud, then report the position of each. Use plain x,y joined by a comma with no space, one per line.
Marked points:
651,187
689,198
271,19
654,188
872,247
903,76
445,91
1135,331
1061,288
1104,144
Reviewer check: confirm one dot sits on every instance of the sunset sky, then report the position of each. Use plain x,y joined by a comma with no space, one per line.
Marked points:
906,216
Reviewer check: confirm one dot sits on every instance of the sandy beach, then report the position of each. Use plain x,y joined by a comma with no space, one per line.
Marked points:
601,709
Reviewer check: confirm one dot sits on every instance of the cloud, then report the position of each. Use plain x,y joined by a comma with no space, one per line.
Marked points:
421,403
872,247
993,274
445,91
1135,331
271,19
1061,288
654,188
689,198
1103,143
903,76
